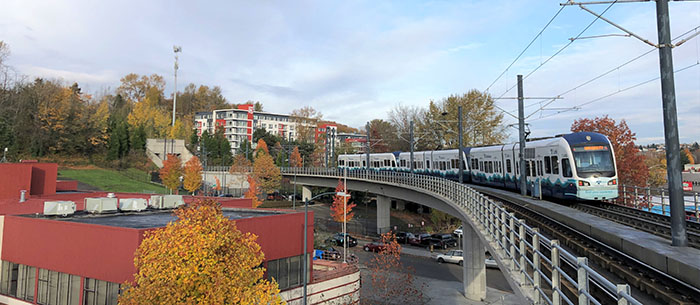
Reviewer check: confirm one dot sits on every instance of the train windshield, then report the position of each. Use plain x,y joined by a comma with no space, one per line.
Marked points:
593,160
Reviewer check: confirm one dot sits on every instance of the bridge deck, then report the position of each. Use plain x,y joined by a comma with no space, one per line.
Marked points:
682,263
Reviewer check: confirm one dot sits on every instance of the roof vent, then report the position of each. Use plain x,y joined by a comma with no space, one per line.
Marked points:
133,204
101,205
62,208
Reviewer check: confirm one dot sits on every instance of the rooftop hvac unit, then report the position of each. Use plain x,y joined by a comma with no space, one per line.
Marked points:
133,204
63,208
101,205
172,201
156,201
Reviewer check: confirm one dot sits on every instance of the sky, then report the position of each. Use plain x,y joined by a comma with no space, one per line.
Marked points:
354,61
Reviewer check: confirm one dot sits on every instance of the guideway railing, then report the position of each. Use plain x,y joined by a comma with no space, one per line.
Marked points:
555,275
657,200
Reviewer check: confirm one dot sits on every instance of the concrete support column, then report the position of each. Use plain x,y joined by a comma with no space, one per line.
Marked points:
400,205
383,208
305,193
474,266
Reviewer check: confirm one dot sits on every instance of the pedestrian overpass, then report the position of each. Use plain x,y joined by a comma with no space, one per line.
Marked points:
538,269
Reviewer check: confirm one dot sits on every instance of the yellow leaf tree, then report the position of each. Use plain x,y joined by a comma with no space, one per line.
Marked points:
261,146
201,258
171,171
295,159
193,175
253,192
266,173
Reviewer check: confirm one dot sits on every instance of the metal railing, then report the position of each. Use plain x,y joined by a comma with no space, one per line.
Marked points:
543,265
655,200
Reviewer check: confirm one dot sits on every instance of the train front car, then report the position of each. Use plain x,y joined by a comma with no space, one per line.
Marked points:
593,170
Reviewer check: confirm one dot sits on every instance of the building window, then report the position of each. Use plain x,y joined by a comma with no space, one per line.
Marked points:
17,280
98,292
56,288
287,271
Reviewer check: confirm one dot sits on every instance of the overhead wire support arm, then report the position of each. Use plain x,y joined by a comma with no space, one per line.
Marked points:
618,26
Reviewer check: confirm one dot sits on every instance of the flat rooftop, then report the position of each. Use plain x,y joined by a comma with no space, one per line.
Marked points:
148,219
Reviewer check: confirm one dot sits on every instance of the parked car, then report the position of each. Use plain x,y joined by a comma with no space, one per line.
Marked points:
327,253
225,195
376,246
338,239
275,196
458,232
444,240
424,240
404,237
453,256
457,257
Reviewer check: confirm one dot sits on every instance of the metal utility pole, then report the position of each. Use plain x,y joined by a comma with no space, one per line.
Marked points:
325,148
367,145
176,49
461,161
668,96
410,132
521,132
333,137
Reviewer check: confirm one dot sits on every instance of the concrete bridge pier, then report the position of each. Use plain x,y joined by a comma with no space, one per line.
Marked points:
305,193
474,264
383,208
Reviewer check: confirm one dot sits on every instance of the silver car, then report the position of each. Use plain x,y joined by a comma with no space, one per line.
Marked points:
454,256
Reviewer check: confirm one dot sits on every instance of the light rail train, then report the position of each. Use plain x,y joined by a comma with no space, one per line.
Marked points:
577,166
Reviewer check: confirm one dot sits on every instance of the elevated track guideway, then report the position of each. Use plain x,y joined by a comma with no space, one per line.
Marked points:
541,270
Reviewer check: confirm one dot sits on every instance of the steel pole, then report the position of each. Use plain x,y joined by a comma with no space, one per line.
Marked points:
306,259
410,131
461,161
175,94
345,213
367,145
521,132
679,236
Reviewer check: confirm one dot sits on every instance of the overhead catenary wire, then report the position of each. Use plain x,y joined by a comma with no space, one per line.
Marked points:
560,50
614,93
550,101
526,48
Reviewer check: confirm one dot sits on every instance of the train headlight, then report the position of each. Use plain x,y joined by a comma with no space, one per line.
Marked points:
612,182
583,183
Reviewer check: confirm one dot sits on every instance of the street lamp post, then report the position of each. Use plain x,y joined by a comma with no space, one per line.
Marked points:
176,49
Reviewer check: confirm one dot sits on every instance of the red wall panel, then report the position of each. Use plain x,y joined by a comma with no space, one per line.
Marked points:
66,185
279,235
101,252
13,178
44,178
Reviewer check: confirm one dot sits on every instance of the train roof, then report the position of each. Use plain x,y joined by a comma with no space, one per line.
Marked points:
584,138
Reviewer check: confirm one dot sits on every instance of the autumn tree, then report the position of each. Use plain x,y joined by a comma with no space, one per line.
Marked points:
340,206
306,119
266,174
401,117
193,175
201,258
631,168
171,171
688,158
656,163
295,158
390,279
253,192
383,136
482,122
261,146
241,167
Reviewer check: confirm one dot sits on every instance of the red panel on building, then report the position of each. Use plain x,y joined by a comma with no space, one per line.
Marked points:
250,108
44,179
14,177
66,185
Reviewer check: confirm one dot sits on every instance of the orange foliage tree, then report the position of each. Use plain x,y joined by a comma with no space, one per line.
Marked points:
338,204
253,192
201,258
261,146
171,171
631,169
267,175
193,175
295,159
390,280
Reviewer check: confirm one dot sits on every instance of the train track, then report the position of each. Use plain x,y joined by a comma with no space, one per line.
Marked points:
653,223
654,284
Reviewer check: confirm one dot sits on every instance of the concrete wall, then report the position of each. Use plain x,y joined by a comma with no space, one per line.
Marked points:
155,149
340,290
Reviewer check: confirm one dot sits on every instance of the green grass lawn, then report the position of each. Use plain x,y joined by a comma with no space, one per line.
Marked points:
111,180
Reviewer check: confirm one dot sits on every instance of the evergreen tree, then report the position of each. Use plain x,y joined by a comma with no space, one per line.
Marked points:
138,139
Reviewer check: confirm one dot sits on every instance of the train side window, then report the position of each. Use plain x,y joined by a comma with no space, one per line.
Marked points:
547,165
508,166
364,163
341,162
527,169
555,165
427,163
566,168
393,163
539,167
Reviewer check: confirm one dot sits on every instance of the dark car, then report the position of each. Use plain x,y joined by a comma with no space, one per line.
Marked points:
376,246
404,237
328,253
444,240
424,240
275,196
338,239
